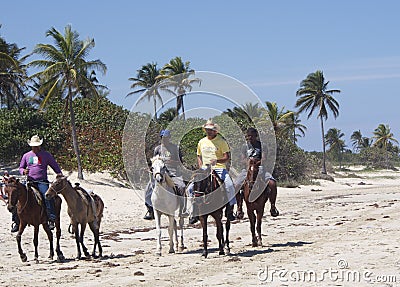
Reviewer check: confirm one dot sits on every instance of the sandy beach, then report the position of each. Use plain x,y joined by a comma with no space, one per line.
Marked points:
342,233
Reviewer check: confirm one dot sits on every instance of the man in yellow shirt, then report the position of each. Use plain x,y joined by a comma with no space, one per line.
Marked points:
214,150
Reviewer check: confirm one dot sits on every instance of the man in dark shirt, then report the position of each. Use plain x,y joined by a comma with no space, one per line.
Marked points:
253,151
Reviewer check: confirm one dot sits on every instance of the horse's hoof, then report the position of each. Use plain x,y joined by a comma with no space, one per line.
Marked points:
60,258
227,251
23,257
158,253
204,254
181,248
221,253
254,244
36,260
259,243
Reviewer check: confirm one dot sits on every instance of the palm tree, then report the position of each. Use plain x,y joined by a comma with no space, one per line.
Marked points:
147,82
315,96
335,142
279,117
293,124
356,139
12,75
178,75
65,68
383,137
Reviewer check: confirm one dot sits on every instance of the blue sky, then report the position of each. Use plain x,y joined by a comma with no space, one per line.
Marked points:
268,45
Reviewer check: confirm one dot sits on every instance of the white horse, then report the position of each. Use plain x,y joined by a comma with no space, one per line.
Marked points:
166,201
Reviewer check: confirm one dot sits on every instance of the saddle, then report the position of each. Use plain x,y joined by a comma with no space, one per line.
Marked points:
89,198
35,188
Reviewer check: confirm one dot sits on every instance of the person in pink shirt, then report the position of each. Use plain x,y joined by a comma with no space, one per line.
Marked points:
34,165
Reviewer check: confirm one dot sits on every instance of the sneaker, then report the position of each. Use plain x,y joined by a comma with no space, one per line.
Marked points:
193,220
14,227
51,225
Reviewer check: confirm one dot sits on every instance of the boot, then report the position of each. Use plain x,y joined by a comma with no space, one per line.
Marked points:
229,212
150,213
15,219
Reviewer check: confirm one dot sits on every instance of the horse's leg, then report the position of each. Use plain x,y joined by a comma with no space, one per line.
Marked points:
36,242
220,231
203,221
239,200
227,229
94,227
172,234
22,255
50,237
252,219
260,214
78,246
157,217
60,255
181,246
82,234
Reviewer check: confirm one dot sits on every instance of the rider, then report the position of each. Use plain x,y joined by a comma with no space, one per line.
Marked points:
34,164
254,151
214,150
172,157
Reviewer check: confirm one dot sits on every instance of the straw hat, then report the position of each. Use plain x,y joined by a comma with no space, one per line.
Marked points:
35,141
209,125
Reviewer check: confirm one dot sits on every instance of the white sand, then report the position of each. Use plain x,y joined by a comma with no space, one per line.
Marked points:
321,228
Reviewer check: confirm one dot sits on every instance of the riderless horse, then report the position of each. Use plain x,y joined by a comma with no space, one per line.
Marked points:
31,210
166,200
83,208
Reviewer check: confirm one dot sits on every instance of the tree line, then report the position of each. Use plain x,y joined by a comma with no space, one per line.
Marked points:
64,102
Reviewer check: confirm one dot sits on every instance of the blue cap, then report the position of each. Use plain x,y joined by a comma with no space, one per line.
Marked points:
165,133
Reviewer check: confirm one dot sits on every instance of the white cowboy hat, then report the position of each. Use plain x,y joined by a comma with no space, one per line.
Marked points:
35,141
209,125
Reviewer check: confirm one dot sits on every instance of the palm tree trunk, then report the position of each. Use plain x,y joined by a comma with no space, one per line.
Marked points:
323,147
74,136
155,107
183,107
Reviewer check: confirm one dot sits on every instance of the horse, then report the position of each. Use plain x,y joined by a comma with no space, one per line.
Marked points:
82,209
166,200
209,198
254,202
32,212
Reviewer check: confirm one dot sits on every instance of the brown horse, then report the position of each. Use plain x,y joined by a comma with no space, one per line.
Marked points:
210,196
254,201
31,212
82,209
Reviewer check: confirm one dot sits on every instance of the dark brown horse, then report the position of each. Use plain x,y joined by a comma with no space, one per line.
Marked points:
30,212
255,195
210,196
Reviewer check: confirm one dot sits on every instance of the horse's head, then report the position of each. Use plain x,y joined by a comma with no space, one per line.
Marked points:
13,189
252,171
205,181
158,168
56,186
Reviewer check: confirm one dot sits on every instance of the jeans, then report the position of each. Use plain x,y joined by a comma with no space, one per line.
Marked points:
229,187
51,214
242,176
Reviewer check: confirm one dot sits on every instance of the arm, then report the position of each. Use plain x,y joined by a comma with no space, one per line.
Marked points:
22,165
54,165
